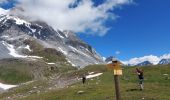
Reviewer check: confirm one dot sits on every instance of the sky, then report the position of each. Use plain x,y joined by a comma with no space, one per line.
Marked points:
142,29
122,28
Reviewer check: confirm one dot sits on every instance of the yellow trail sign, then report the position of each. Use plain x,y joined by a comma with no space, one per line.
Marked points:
118,72
115,67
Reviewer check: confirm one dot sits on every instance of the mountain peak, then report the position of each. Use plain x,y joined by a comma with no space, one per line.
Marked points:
145,63
164,61
77,52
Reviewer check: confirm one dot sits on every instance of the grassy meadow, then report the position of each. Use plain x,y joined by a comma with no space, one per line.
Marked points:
156,85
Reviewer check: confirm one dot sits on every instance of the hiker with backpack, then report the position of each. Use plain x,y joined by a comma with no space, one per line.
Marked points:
84,79
141,77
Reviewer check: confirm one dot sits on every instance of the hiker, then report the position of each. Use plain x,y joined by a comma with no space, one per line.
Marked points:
141,77
84,79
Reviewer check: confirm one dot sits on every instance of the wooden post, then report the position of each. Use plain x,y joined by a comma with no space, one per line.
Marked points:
115,66
117,87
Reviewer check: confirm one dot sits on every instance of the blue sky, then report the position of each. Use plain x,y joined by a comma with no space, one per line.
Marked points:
142,28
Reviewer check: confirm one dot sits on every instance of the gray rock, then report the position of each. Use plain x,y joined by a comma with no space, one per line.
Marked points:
1,90
80,92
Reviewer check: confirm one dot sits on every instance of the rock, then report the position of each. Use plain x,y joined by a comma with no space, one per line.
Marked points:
80,92
1,90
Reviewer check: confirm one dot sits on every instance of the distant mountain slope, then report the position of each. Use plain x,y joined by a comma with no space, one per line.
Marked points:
145,63
146,60
109,59
164,61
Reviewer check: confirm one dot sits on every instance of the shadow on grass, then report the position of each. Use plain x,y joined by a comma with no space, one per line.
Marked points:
131,90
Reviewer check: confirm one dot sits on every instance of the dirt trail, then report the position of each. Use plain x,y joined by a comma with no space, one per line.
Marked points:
56,82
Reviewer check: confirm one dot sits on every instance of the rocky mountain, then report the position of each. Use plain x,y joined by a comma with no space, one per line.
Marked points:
145,63
22,38
164,61
109,59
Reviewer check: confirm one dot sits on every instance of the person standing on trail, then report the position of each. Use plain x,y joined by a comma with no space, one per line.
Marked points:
84,79
141,77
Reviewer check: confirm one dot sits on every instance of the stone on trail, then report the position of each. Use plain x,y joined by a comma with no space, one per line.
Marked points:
80,92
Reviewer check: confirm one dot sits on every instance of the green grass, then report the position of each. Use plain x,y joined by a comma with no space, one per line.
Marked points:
14,71
13,76
156,86
24,89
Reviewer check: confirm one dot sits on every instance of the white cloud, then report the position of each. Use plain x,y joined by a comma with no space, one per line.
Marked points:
117,52
3,11
165,56
6,1
104,58
151,58
3,1
84,17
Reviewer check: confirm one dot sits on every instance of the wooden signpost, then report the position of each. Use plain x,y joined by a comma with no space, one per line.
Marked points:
116,68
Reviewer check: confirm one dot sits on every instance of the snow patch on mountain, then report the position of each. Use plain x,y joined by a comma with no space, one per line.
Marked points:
93,75
14,53
28,47
12,50
70,62
7,86
36,57
75,50
4,36
51,63
64,52
17,20
60,35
